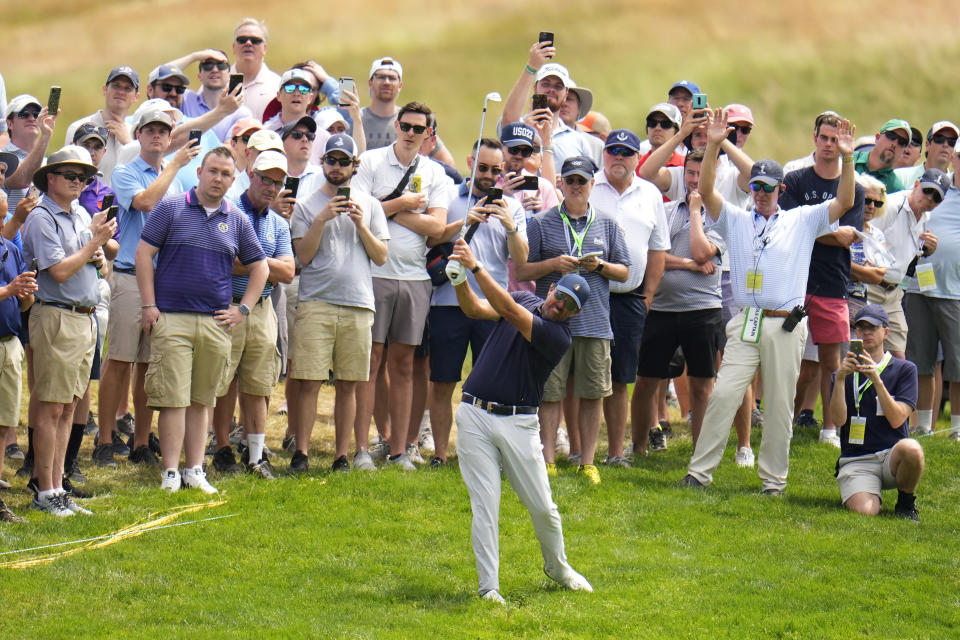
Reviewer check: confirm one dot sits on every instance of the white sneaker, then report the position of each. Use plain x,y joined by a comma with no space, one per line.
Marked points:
195,478
402,461
744,457
955,435
572,580
363,461
413,452
425,437
923,431
170,480
493,596
67,501
563,442
829,436
380,449
52,505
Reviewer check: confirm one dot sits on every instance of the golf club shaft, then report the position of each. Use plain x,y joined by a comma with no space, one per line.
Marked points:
473,172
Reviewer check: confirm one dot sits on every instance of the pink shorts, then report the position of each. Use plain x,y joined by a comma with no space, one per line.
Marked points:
828,320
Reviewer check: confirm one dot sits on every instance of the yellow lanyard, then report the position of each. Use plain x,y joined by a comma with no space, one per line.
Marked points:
858,395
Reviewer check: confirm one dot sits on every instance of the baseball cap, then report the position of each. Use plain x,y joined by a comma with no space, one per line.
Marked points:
19,102
89,130
739,113
578,165
265,139
11,161
517,134
684,84
935,179
126,72
306,121
576,287
327,117
341,142
297,74
940,126
766,171
585,98
386,64
895,124
670,110
154,115
270,159
243,125
554,69
166,71
916,137
874,314
595,123
623,138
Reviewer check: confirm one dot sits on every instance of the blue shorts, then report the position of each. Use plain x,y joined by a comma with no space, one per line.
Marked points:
451,332
628,314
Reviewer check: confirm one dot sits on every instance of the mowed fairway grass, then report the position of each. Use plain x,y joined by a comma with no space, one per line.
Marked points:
388,554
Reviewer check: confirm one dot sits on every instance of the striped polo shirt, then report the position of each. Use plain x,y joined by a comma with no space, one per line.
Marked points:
196,251
274,236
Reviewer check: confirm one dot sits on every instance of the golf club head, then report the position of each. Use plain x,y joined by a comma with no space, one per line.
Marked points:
494,96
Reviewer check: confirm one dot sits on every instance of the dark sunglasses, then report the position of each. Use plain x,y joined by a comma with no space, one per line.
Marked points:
417,128
875,203
623,152
25,113
939,138
522,150
567,301
762,186
297,135
268,181
301,89
249,39
70,176
244,139
745,129
485,168
657,122
900,140
210,66
168,88
334,161
578,180
933,193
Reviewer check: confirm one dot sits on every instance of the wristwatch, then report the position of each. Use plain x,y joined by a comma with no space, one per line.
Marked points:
244,309
599,265
476,268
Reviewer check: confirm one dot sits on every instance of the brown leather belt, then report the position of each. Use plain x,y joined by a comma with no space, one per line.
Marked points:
69,307
775,313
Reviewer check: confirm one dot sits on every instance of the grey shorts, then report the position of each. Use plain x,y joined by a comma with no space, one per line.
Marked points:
865,474
933,321
402,307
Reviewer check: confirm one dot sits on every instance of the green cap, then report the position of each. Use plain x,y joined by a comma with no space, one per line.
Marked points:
895,124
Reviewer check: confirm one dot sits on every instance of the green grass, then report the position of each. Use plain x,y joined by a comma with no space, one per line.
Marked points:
388,555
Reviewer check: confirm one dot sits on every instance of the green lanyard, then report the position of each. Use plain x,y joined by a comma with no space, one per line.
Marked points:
858,395
577,237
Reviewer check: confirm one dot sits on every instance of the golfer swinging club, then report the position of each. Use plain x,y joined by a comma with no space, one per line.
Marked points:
497,419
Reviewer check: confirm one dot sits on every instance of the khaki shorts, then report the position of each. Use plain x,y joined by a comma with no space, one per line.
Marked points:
11,382
292,295
128,342
188,361
402,307
63,343
590,359
331,336
865,474
254,357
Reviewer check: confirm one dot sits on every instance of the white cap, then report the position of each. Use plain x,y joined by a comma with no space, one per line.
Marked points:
325,118
388,64
554,69
18,103
270,159
265,139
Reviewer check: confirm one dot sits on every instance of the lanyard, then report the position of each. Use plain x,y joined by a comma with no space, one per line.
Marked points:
860,389
577,238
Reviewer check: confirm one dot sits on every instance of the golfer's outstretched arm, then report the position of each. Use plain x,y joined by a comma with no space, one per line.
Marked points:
499,302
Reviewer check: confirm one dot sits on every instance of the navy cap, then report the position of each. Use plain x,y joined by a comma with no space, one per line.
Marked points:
767,171
623,138
935,179
166,71
126,72
89,130
517,134
874,314
306,121
576,287
341,142
578,165
684,84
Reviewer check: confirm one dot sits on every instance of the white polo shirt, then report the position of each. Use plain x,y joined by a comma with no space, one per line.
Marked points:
902,231
258,94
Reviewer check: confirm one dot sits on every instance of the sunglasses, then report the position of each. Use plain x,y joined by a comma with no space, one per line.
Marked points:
268,181
653,123
23,114
623,152
900,140
745,129
299,88
568,302
417,128
933,193
244,139
485,168
522,150
170,88
70,176
875,203
249,40
210,66
297,135
762,186
939,138
383,77
334,161
575,180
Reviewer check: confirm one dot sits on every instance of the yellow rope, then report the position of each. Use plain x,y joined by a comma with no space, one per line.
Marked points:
137,528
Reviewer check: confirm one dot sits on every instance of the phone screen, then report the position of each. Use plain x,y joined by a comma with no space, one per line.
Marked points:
235,79
347,84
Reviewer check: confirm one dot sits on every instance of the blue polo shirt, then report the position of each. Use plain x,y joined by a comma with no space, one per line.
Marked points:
195,263
128,181
511,370
900,379
11,265
274,236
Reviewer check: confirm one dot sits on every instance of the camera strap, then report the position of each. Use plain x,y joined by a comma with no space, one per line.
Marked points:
403,181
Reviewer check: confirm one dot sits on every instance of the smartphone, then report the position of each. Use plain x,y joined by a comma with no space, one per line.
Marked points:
494,193
347,84
530,183
33,192
344,191
112,212
539,101
856,346
699,101
591,254
194,135
235,79
53,102
292,184
547,36
107,202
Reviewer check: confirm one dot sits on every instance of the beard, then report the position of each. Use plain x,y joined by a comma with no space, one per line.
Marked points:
339,180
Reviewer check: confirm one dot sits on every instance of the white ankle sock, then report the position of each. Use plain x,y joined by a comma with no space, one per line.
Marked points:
256,441
925,419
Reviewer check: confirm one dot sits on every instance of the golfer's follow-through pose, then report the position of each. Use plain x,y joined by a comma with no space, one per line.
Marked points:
497,420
